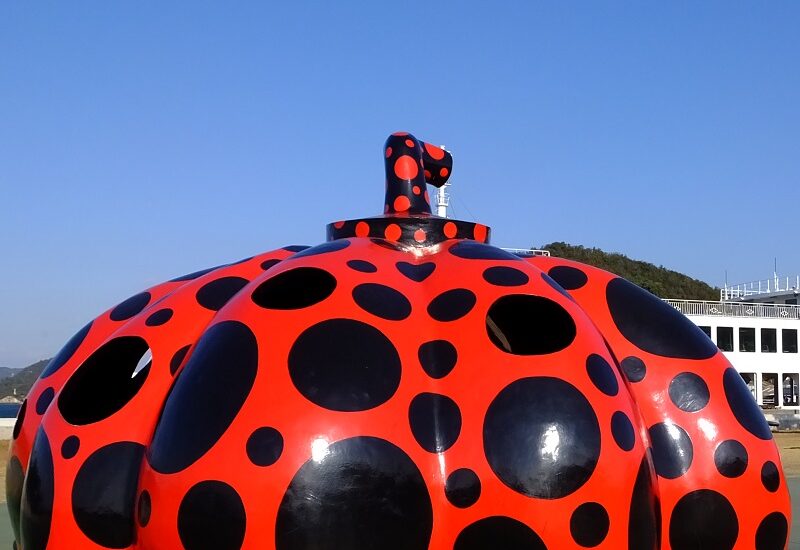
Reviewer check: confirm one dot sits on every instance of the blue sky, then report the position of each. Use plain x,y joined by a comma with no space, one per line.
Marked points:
142,140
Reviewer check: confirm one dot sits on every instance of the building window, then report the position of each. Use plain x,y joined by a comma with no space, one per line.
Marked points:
707,330
725,338
789,336
769,340
747,339
769,389
790,390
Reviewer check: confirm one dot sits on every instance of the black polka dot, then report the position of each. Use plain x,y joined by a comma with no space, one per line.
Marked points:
45,398
543,425
106,381
264,446
361,492
770,476
462,488
66,353
644,516
452,304
703,519
15,479
688,392
70,447
416,272
268,264
672,449
177,359
20,419
505,276
36,512
498,532
730,458
435,421
653,325
438,358
344,365
471,250
295,289
325,248
362,265
622,430
602,375
211,515
529,325
634,369
557,287
772,532
194,275
104,494
567,277
589,524
296,248
159,317
216,294
143,509
382,301
206,397
130,307
743,406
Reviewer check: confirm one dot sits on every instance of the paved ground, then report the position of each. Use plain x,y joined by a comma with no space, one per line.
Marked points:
789,445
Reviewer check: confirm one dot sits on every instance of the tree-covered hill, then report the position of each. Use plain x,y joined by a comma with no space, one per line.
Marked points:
659,280
5,372
22,380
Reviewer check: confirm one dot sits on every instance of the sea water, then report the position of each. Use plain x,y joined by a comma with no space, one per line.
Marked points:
9,410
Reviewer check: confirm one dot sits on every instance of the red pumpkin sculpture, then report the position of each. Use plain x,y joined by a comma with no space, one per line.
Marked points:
402,386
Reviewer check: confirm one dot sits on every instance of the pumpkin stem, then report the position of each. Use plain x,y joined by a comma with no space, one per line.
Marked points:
410,164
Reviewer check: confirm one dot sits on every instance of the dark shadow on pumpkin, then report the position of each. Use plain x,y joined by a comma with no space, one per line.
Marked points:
106,381
529,325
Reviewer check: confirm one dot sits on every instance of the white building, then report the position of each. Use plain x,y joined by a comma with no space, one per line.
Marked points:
756,326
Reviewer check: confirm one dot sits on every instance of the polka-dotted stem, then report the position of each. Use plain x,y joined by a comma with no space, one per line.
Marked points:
410,164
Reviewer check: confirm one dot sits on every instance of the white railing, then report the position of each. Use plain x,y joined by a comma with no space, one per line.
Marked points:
736,309
527,252
765,286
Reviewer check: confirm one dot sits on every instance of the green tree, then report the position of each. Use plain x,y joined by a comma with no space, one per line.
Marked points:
663,282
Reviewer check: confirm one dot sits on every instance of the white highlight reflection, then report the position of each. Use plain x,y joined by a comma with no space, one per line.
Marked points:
708,428
675,433
319,449
551,442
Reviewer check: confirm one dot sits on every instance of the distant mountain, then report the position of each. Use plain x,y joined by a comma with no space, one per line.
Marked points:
659,280
21,380
5,372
